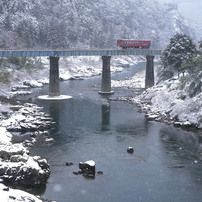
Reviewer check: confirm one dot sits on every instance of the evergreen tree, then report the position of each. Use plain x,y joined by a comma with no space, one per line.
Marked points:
178,52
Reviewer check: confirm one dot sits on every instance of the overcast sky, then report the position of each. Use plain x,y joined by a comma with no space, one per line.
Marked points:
191,9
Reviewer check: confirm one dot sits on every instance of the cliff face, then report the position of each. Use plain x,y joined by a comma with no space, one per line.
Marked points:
86,23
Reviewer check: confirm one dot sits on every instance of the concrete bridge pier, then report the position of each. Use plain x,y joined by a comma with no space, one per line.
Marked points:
106,76
54,86
149,77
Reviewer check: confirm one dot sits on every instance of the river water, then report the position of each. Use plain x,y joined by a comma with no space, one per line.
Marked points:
166,164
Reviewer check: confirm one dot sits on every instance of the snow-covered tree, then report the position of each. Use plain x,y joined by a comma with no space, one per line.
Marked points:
180,49
94,23
53,40
181,56
192,81
200,44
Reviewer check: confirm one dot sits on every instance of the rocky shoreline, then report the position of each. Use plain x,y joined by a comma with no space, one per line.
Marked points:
161,103
21,130
165,102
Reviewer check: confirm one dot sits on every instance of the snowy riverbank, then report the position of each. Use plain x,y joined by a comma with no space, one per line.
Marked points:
166,102
15,161
70,68
17,168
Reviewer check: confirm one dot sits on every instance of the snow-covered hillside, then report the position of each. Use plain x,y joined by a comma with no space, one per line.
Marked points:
86,23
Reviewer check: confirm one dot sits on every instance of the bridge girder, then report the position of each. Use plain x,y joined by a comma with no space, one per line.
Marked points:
84,52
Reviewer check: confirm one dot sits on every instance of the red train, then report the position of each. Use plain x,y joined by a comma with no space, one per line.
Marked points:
130,43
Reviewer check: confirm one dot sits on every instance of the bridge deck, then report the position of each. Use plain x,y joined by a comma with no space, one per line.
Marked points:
77,52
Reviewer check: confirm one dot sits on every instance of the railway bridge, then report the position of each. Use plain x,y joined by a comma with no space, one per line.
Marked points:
54,55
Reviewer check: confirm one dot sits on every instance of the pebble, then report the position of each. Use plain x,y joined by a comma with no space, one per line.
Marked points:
99,173
69,163
130,150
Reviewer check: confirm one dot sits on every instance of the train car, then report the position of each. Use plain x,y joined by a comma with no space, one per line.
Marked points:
130,43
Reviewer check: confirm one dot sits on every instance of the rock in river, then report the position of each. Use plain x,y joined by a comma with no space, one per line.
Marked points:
88,168
130,150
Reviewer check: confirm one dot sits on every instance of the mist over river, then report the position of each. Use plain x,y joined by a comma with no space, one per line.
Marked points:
166,164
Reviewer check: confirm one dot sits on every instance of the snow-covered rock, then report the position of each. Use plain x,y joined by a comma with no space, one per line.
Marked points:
28,118
12,195
24,170
87,168
33,84
8,150
17,167
19,92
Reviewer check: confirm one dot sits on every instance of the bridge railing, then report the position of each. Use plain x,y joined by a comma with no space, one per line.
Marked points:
84,52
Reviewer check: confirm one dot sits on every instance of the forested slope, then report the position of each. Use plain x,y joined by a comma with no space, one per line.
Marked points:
86,23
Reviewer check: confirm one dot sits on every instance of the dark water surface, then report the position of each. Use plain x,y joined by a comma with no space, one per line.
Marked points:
165,166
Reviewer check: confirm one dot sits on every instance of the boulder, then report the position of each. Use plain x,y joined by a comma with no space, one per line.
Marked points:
99,173
25,170
6,151
69,163
130,150
88,168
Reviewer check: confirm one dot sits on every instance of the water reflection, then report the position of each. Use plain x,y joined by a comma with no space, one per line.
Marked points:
106,116
54,110
183,151
179,139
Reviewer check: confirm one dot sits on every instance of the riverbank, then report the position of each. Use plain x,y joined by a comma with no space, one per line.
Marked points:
27,125
166,102
16,166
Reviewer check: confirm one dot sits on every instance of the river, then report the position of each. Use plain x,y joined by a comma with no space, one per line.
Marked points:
166,164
